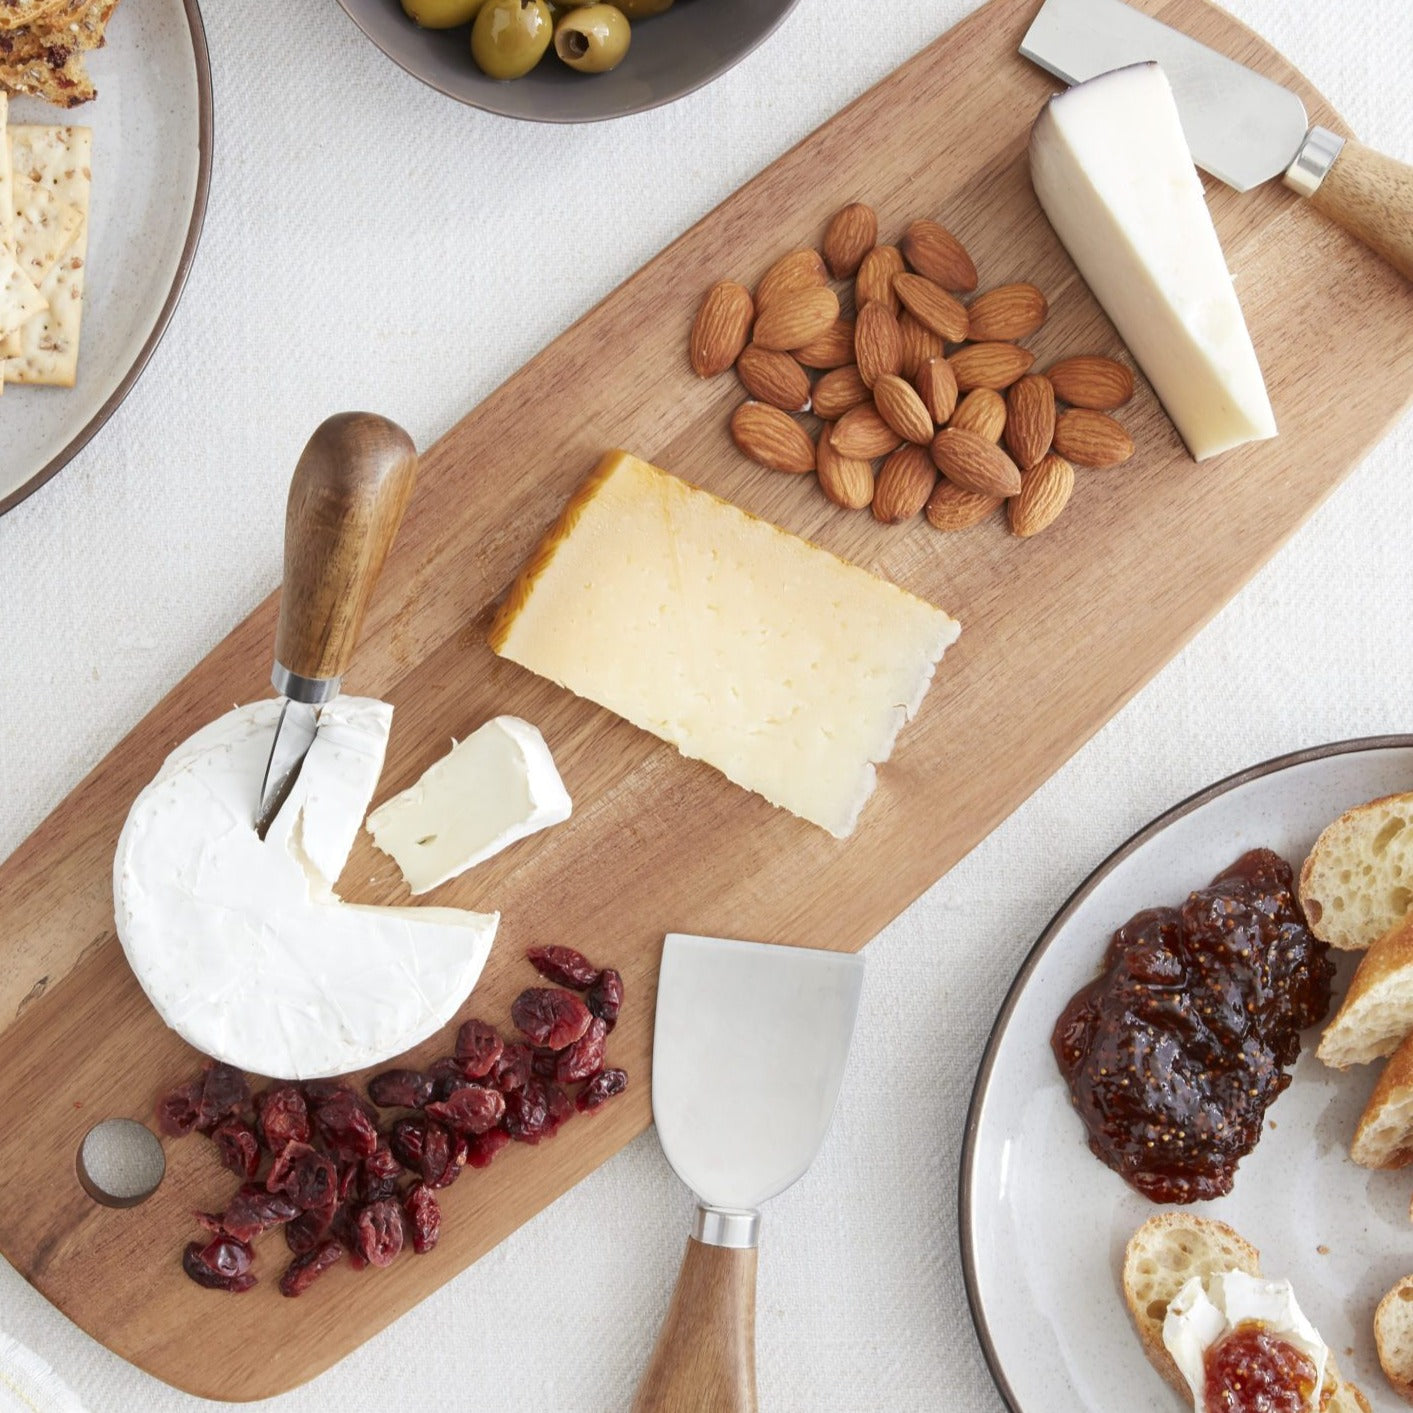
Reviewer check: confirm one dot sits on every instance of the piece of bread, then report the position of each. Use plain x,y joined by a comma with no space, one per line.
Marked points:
1358,881
1163,1255
1393,1334
1384,1138
1378,1007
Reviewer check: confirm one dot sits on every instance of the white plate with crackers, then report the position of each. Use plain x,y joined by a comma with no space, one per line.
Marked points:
1044,1222
105,162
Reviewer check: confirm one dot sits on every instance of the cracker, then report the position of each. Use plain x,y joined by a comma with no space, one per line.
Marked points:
20,301
44,227
15,13
65,85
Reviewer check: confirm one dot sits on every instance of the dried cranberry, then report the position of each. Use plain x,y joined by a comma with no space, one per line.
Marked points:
224,1092
282,1117
585,1056
344,1230
600,1089
310,1179
177,1111
545,1015
238,1146
513,1067
304,1232
485,1146
345,1128
443,1156
400,1089
478,1047
214,1223
527,1112
470,1110
253,1211
424,1216
320,1091
378,1233
380,1174
606,998
564,966
448,1085
559,1105
222,1264
407,1140
545,1062
304,1270
349,1174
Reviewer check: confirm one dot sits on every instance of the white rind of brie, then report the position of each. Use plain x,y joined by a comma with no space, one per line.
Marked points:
1112,171
243,946
1203,1312
499,785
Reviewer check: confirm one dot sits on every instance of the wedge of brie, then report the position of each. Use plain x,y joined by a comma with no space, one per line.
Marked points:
242,945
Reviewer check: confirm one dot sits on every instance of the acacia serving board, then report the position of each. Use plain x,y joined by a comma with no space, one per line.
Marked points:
1058,632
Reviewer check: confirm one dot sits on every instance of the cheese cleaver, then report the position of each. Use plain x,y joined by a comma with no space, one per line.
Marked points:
1241,127
346,500
749,1047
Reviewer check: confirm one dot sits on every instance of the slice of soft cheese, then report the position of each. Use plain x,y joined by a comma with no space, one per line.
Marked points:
243,946
497,786
744,646
1113,173
1203,1312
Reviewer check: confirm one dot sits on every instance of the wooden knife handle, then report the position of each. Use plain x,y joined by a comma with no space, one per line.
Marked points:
1371,196
705,1357
346,501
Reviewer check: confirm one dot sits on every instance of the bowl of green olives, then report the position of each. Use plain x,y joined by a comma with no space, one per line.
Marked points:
566,61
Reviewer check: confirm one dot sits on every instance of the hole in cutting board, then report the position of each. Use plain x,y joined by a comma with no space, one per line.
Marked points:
120,1163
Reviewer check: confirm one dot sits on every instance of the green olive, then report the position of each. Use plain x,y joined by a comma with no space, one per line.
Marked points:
592,40
642,9
510,37
442,14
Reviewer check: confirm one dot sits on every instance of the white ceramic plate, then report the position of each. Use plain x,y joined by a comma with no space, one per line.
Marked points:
151,128
1044,1223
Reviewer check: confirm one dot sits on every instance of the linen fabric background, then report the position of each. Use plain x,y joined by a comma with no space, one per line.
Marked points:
370,243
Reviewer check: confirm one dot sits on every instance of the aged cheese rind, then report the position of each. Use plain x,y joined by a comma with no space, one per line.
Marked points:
1112,171
497,786
744,646
242,946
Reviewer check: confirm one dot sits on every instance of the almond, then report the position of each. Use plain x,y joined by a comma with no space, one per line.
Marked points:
1030,419
772,438
1091,381
848,238
774,377
837,391
1090,438
984,365
949,507
862,433
904,484
919,344
901,407
973,463
932,250
793,319
721,328
983,412
878,342
832,349
1045,491
937,386
932,306
1009,312
875,277
800,269
846,480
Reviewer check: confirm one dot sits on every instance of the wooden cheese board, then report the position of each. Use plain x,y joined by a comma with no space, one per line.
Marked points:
1059,632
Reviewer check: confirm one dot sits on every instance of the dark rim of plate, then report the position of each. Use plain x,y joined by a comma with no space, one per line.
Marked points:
81,439
1032,960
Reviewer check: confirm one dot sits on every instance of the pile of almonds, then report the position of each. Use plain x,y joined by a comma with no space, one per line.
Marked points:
917,380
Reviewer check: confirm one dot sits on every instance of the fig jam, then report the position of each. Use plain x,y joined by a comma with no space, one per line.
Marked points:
1175,1052
1253,1371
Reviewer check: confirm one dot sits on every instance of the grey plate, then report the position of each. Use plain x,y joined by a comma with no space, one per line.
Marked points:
671,55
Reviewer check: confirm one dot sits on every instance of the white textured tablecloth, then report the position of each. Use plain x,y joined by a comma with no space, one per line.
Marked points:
370,243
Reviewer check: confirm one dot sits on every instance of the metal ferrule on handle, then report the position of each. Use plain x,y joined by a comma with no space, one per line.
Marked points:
314,691
1316,156
736,1228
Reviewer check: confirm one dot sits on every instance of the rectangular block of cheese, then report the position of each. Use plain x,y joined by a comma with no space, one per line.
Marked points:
747,647
1113,173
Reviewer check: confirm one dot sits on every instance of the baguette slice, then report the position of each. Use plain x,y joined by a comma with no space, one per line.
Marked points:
1378,1008
1393,1334
1358,881
1384,1138
1163,1255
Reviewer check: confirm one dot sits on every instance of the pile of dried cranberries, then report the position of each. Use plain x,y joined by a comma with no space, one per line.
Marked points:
322,1163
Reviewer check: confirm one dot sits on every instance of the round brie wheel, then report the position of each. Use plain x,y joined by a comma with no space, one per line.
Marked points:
242,945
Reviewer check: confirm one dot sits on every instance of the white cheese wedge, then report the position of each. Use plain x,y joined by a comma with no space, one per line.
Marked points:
1203,1312
1114,175
243,946
497,786
747,647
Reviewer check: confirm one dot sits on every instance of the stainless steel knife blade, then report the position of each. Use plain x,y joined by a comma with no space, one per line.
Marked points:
294,734
1241,127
